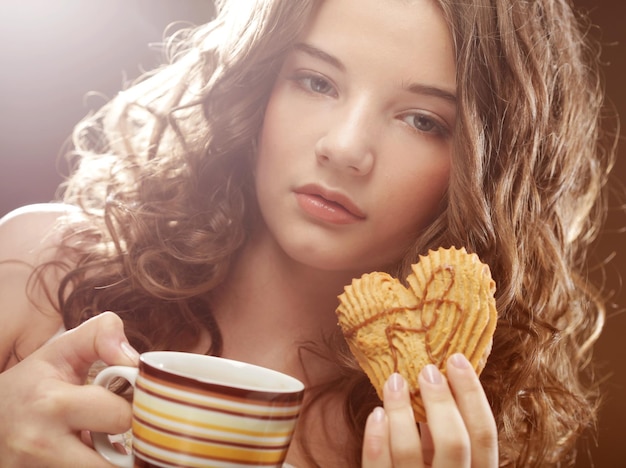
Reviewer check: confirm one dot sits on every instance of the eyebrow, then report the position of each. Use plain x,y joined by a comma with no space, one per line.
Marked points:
320,54
432,91
415,88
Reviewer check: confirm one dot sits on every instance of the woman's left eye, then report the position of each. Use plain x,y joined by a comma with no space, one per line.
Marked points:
424,123
314,83
319,85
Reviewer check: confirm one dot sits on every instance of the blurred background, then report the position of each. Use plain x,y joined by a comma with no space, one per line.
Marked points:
59,59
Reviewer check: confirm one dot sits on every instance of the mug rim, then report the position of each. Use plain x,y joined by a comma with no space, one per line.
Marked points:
151,363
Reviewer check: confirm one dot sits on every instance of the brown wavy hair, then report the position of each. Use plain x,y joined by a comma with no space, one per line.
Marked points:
163,176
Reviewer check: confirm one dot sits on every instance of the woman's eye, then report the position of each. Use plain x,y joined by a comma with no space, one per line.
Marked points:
315,84
319,85
424,123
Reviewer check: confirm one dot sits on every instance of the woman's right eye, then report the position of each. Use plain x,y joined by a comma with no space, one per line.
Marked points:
315,84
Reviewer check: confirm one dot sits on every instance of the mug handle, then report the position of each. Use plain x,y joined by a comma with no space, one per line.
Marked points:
101,441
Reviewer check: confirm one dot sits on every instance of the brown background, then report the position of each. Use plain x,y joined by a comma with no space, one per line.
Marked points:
53,52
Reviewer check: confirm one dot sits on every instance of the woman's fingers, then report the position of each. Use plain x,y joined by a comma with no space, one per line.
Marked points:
50,450
45,407
92,408
461,430
460,420
391,436
475,410
450,440
404,441
376,449
99,338
39,433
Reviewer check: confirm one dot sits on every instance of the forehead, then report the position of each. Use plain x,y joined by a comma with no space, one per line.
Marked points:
411,37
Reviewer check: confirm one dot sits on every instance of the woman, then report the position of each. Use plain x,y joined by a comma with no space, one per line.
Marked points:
288,148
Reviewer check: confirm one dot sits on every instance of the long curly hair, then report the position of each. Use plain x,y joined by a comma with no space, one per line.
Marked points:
527,194
163,176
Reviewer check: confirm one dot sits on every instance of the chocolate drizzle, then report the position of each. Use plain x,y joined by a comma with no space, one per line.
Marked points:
440,300
446,305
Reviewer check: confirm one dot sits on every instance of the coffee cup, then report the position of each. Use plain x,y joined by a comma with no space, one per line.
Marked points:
192,410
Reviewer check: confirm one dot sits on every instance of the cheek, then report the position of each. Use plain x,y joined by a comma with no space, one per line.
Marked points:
286,141
419,193
277,152
264,168
278,123
436,182
268,140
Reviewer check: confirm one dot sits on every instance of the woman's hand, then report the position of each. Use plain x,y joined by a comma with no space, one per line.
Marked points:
461,430
45,406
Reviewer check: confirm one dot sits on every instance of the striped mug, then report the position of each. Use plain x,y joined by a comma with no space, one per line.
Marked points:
192,410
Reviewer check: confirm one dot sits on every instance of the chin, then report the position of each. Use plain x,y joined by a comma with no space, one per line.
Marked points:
335,262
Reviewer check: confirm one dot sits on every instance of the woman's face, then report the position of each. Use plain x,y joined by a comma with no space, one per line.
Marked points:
355,151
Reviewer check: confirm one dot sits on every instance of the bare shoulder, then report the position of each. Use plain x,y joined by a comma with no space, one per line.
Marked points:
27,240
27,231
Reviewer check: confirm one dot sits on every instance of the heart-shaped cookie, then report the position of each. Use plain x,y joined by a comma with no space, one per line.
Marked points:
448,307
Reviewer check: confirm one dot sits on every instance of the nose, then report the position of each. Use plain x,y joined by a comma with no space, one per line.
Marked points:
348,144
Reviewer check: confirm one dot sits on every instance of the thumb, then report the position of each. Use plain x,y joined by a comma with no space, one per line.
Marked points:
99,338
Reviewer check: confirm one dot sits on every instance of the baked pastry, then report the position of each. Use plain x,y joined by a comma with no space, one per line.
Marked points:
448,307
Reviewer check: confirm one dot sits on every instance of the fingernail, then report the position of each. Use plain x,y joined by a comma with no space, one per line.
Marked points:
431,374
129,351
378,415
459,361
395,382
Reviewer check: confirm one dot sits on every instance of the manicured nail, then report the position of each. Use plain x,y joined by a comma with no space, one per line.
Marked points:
378,415
459,361
129,351
431,374
395,382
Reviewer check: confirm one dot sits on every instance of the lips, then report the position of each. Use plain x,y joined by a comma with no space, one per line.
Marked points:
328,205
